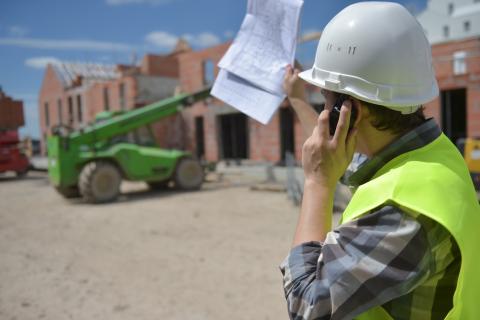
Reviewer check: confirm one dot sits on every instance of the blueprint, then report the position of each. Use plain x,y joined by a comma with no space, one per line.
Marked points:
255,62
246,97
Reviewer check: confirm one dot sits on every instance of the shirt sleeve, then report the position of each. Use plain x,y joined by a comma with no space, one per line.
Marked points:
361,264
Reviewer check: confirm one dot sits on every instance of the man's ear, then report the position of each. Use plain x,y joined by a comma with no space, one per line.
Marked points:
362,112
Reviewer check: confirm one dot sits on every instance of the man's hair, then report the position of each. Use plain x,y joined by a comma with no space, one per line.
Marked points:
385,119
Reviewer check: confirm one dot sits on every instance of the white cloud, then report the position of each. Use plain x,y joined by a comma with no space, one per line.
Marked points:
168,41
127,2
41,62
66,44
18,31
162,39
202,40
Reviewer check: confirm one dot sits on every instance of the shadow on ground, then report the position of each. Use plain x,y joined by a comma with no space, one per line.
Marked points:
140,192
12,178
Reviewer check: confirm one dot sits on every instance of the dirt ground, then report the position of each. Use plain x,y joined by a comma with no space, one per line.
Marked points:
211,254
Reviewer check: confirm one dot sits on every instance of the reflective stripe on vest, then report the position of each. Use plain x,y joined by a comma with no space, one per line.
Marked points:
433,181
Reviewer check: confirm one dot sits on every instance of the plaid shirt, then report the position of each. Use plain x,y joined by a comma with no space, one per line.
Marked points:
408,265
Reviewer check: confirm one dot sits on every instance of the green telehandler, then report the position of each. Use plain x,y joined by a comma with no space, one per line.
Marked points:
93,161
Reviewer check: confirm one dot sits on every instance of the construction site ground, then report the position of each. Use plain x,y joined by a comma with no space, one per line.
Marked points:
210,254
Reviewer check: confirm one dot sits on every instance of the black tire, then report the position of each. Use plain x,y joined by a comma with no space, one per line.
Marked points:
21,174
159,185
189,174
69,192
100,182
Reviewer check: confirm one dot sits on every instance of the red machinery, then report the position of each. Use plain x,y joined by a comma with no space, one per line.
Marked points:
11,118
11,158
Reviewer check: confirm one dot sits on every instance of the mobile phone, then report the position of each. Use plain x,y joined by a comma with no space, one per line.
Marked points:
335,114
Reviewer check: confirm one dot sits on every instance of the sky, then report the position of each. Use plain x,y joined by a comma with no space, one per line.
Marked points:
36,32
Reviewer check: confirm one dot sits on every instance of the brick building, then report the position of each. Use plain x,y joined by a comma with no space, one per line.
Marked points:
453,29
217,131
457,109
73,93
11,113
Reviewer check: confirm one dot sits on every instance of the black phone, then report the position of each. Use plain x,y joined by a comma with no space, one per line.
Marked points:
335,114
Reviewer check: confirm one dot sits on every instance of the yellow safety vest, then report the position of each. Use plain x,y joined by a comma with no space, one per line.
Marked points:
433,181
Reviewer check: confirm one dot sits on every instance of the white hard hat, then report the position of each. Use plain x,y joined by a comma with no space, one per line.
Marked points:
376,52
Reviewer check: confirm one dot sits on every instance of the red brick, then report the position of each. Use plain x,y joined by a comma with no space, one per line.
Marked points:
11,113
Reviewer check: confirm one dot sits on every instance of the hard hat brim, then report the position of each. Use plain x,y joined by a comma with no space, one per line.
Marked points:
370,92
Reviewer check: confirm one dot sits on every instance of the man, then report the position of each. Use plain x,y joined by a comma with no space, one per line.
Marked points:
406,246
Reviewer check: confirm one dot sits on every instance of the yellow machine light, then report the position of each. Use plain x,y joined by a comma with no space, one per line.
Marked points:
472,154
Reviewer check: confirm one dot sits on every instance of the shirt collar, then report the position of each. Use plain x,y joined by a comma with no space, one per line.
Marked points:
414,139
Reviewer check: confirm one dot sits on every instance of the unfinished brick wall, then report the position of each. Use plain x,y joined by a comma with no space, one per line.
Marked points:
192,79
92,94
51,90
191,67
95,96
263,140
177,131
157,65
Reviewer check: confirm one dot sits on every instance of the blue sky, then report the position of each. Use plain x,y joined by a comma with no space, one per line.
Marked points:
34,32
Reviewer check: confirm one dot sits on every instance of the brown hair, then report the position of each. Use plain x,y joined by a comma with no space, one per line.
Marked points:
385,119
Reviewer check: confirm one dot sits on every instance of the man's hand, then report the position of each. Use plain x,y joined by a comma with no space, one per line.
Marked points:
295,90
292,85
326,158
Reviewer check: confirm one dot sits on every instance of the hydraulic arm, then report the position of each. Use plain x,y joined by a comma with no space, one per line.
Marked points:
137,118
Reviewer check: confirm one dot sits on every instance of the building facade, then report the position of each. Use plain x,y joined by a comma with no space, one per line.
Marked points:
453,29
73,93
447,20
216,131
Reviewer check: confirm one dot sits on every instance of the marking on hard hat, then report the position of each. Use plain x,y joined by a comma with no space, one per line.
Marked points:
351,49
